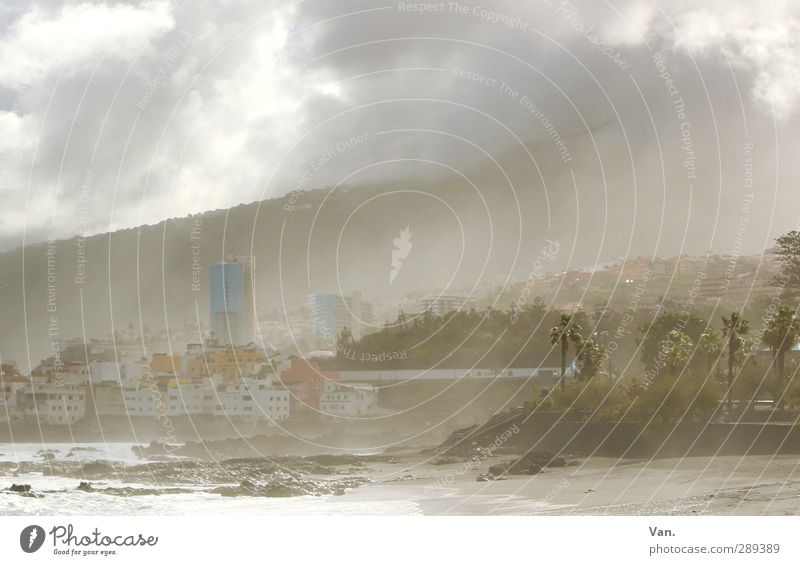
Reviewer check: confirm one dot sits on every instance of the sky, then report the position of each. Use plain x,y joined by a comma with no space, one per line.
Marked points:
678,119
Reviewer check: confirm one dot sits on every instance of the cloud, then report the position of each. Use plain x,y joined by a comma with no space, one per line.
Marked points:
76,36
208,104
761,40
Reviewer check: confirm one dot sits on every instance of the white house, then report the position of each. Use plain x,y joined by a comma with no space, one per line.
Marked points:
350,400
143,401
75,374
195,398
103,371
52,404
131,371
255,399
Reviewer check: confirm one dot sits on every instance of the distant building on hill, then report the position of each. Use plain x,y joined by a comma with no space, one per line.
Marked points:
441,305
333,312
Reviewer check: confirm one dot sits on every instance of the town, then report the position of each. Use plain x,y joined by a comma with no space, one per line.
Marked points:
265,372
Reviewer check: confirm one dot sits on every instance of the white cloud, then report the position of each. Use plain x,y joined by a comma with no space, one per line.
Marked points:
760,39
42,41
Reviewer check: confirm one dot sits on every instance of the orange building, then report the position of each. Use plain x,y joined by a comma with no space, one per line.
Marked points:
232,363
305,380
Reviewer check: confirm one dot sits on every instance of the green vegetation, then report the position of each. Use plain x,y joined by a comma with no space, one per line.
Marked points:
788,252
667,362
782,333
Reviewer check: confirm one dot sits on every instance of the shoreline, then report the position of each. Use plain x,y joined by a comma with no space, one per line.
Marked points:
747,485
415,482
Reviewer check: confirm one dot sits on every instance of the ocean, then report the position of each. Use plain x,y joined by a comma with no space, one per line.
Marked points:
123,484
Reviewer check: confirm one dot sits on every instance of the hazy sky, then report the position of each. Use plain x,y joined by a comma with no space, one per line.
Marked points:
116,114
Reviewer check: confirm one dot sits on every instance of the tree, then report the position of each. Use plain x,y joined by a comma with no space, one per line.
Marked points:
590,358
734,327
781,334
566,331
344,339
710,345
676,350
788,252
658,329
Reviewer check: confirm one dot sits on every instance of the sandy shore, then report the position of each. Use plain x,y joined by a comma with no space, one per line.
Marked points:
751,485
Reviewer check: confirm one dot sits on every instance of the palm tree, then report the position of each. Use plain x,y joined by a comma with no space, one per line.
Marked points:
781,334
734,327
565,331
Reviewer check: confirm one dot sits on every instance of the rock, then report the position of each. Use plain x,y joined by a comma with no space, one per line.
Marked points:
486,477
512,467
333,460
85,487
247,486
286,486
544,459
23,490
19,488
497,470
81,448
447,460
97,468
155,448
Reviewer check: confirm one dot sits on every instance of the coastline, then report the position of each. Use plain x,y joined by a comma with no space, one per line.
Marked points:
408,482
727,485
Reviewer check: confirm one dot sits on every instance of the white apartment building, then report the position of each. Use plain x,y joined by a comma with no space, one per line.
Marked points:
351,400
76,374
52,404
143,401
254,399
103,371
196,398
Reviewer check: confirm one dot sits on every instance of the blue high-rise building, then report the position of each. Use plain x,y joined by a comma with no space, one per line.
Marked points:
231,301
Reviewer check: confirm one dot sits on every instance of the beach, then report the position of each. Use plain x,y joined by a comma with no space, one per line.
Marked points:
113,480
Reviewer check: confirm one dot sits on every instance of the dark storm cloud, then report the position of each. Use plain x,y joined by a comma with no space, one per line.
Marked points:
209,105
